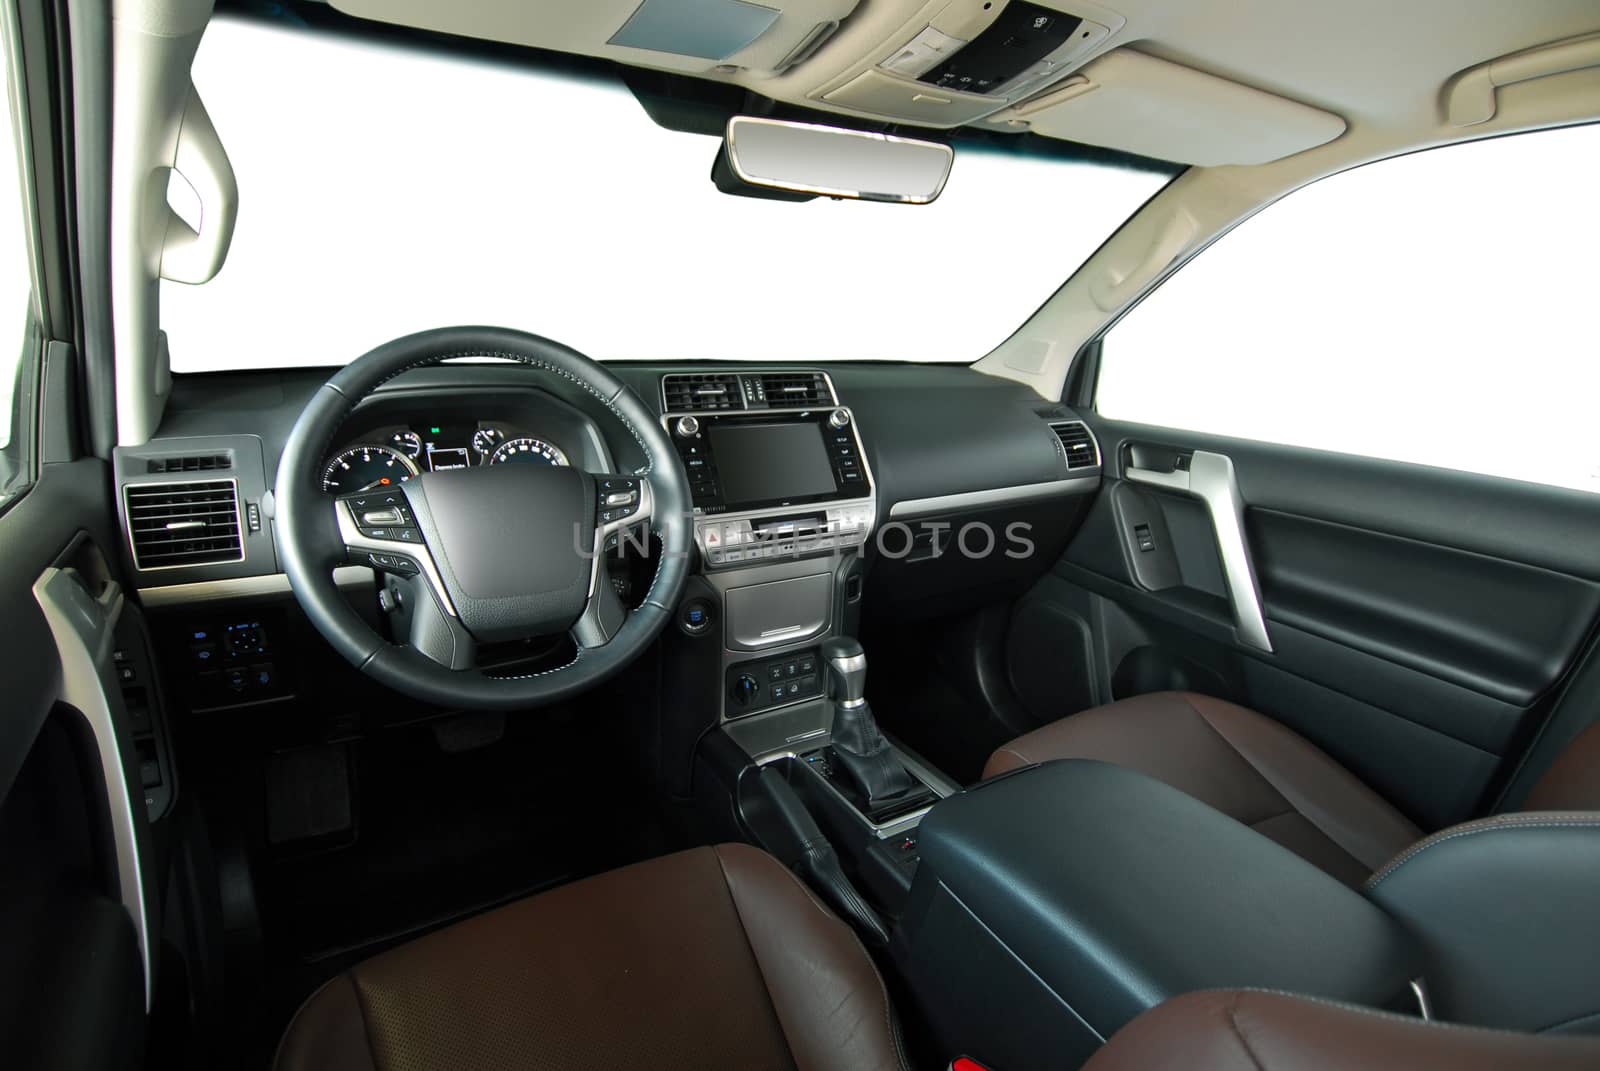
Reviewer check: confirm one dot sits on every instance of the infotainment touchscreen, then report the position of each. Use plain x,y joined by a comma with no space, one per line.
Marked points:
764,462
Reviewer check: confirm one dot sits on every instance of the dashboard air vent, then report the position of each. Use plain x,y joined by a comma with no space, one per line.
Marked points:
200,463
177,524
1077,444
795,390
701,392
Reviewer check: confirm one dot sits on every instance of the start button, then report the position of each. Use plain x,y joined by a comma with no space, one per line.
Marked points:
695,616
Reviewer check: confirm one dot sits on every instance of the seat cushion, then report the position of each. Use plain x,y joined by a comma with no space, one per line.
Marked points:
1242,763
1250,1030
715,957
1572,783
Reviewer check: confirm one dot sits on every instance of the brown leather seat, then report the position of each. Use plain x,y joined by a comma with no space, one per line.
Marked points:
715,957
1270,778
1250,1030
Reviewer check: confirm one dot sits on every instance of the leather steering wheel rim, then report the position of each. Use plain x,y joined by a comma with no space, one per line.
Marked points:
311,547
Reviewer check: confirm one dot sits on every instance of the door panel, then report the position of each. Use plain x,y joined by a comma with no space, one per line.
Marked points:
76,888
1420,621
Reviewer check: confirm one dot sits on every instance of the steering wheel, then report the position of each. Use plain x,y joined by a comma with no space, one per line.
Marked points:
484,554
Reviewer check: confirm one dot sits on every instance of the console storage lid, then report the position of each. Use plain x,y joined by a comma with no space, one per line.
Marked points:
1087,893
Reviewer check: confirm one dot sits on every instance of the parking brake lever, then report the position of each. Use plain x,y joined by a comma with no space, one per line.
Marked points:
808,850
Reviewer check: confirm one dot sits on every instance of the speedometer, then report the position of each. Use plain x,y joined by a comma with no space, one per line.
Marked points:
362,468
528,451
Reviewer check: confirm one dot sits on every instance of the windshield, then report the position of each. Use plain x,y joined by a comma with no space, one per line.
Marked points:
385,189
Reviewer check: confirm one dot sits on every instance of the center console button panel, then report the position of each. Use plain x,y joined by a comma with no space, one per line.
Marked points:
771,682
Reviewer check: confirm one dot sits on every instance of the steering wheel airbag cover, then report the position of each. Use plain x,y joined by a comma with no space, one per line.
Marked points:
506,539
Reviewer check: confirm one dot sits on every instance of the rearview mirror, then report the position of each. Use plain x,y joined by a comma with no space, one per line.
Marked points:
806,159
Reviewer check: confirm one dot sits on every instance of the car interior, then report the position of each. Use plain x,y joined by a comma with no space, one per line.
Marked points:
612,534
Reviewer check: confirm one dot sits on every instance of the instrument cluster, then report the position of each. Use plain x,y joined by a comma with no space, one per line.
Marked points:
398,453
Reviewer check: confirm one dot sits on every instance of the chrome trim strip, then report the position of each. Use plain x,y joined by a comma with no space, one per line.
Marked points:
83,630
1211,479
1424,1005
241,587
1069,485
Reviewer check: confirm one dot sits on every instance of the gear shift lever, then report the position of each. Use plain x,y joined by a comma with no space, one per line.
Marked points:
864,755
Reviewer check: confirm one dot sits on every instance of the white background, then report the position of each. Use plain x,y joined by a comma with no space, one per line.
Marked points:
1441,308
383,192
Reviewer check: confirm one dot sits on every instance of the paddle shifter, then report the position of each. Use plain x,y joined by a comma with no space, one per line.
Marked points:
864,756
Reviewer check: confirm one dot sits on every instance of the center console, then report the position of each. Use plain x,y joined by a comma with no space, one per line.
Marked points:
783,502
1055,904
784,505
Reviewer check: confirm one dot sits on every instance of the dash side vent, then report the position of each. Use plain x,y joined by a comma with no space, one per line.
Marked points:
1078,445
172,525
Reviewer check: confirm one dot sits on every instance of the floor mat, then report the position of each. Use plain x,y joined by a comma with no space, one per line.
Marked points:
308,794
448,821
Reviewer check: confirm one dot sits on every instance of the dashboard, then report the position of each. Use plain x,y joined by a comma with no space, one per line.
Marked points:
934,441
393,453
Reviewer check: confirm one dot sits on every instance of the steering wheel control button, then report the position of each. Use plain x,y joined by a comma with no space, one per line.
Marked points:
375,518
618,498
393,563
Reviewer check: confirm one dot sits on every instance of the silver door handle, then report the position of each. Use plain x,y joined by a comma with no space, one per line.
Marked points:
1210,478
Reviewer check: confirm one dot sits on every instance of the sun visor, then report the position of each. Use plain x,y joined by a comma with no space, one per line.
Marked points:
691,36
1136,103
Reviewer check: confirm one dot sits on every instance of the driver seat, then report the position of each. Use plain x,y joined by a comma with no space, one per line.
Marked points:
714,957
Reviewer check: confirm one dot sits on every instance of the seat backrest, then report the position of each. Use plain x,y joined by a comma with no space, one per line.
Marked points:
1572,783
1253,1030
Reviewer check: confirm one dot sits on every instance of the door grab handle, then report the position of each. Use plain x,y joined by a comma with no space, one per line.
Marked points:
1210,478
1176,480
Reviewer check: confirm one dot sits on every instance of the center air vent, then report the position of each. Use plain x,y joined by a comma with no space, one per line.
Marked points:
1077,444
178,524
795,390
701,392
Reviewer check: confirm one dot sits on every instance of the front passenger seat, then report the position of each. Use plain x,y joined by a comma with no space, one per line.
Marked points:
1254,1030
715,957
1265,775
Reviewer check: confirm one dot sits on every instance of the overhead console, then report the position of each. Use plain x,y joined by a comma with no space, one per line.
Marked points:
775,466
970,59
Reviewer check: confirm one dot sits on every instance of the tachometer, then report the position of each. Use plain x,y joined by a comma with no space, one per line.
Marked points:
527,450
362,468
